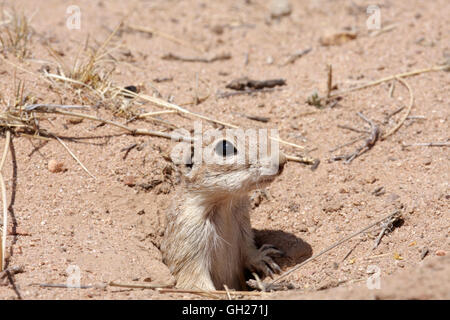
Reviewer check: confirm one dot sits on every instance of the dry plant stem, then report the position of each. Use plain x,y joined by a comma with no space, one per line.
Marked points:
51,75
256,283
393,113
368,144
305,160
119,125
5,207
383,30
429,144
391,89
5,225
29,136
386,227
396,76
157,113
296,55
11,271
350,251
408,111
352,129
166,36
248,91
24,70
295,268
375,131
64,286
228,292
347,144
139,286
169,289
330,81
161,103
223,292
171,56
111,35
74,156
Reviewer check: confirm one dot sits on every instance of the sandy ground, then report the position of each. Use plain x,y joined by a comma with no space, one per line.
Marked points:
109,227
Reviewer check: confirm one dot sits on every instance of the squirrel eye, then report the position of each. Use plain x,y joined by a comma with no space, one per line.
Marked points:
225,149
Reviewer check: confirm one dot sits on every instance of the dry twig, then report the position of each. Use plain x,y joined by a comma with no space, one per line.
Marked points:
428,144
74,156
164,35
170,289
410,105
296,55
295,268
222,95
218,57
11,271
386,227
4,201
389,78
369,143
161,103
44,109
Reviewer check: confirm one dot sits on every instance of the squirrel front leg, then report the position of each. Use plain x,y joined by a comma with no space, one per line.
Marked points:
259,260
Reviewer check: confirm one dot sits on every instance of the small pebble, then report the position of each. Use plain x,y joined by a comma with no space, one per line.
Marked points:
217,29
74,120
129,181
440,253
55,166
280,8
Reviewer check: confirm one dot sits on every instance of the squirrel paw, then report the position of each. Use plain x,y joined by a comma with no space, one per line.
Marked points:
262,261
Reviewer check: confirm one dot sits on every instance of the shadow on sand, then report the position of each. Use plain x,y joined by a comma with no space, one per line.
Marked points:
295,249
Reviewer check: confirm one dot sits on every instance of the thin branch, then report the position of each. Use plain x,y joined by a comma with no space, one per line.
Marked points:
347,144
156,113
113,123
368,144
74,156
164,35
408,111
389,78
174,57
428,144
169,289
139,286
305,160
386,227
162,103
352,129
4,200
228,292
295,268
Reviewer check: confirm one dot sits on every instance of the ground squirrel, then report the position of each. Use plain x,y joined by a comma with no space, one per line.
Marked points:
208,241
